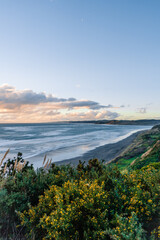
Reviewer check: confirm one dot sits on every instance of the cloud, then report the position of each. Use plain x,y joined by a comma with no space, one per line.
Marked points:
12,98
90,115
52,113
86,104
9,95
29,106
107,115
142,110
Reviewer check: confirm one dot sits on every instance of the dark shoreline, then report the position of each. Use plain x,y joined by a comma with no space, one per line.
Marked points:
106,152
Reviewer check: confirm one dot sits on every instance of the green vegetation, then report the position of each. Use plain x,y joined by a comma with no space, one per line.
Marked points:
123,163
144,150
95,201
91,201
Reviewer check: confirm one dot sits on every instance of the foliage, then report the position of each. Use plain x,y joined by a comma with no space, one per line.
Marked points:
155,234
90,201
73,211
127,229
144,150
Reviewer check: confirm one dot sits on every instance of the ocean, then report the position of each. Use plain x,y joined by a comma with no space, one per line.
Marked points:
59,141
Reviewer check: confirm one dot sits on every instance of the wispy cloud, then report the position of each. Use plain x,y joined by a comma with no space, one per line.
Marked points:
27,105
142,110
85,104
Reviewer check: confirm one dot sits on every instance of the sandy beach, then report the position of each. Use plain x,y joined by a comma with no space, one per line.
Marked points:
106,152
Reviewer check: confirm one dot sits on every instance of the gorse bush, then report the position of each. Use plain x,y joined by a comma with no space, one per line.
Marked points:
92,201
70,212
127,228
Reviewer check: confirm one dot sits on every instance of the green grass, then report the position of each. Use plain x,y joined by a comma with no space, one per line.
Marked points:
141,145
124,163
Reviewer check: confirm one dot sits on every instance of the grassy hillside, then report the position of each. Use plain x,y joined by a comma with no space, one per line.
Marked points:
144,150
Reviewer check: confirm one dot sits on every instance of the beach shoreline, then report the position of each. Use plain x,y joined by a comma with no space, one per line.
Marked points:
105,152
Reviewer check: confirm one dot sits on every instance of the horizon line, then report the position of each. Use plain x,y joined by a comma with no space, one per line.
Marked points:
83,121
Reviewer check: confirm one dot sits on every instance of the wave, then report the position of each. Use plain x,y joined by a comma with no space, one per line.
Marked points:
61,141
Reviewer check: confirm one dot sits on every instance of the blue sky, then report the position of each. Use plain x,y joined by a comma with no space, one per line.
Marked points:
101,51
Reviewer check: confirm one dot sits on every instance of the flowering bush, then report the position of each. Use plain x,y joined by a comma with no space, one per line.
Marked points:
91,201
74,211
127,229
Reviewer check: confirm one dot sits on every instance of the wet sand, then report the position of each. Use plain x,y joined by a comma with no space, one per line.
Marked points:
106,152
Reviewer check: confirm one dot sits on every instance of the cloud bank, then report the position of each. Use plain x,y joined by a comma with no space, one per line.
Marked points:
29,106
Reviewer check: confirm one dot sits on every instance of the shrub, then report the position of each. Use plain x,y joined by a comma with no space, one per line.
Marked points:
77,210
127,228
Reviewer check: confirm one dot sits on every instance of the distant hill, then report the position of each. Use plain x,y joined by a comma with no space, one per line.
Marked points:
130,122
150,122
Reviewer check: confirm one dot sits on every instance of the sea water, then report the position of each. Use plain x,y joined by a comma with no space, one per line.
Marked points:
59,141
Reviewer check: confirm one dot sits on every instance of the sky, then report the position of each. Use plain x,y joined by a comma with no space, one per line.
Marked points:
79,60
